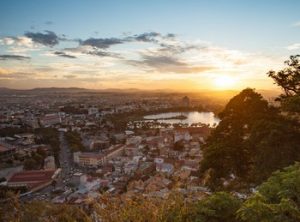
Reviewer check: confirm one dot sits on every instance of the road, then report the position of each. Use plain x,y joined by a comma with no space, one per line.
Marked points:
66,164
65,159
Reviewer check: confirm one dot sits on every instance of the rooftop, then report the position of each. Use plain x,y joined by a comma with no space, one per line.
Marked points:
32,176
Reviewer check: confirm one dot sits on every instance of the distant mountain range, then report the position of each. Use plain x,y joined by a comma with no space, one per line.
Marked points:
4,90
56,90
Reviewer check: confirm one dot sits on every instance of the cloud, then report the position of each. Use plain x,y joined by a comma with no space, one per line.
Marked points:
168,64
104,43
89,50
146,37
17,41
48,23
171,55
70,76
14,57
5,74
154,37
296,24
48,38
3,71
293,46
63,54
101,43
103,54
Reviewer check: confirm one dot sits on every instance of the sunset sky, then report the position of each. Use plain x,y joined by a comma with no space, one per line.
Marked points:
155,44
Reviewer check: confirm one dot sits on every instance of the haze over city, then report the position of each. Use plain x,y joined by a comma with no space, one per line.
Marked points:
177,45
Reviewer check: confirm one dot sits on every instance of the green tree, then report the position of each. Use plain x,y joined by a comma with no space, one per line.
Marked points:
30,164
219,207
226,152
277,200
273,144
74,140
289,80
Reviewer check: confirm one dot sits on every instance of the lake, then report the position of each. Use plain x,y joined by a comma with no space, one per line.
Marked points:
191,117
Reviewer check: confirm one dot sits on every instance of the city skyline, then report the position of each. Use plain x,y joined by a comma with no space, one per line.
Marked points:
177,45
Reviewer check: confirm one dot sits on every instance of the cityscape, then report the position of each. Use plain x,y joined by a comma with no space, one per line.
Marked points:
80,144
154,111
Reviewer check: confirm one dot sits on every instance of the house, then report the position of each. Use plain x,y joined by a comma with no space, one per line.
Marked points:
167,168
99,144
6,151
49,162
157,183
88,159
92,159
185,101
181,134
50,119
135,140
79,178
146,168
92,110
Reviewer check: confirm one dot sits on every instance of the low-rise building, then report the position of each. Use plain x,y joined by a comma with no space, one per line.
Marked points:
49,162
33,180
165,168
92,159
6,151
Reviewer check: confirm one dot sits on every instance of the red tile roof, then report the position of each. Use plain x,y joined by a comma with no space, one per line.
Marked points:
32,176
3,148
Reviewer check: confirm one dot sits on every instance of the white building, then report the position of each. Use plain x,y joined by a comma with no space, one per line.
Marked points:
50,119
165,168
182,134
49,163
92,159
92,110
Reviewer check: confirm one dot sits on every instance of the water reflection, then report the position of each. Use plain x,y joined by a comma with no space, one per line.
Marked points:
191,117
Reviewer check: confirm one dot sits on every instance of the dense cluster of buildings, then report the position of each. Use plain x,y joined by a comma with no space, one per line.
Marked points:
152,161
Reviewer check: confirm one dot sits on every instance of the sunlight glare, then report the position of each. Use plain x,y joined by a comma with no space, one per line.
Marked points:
224,82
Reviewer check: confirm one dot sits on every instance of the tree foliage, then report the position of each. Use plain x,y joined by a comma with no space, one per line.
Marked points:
277,200
39,211
74,140
220,206
49,136
289,80
252,140
226,151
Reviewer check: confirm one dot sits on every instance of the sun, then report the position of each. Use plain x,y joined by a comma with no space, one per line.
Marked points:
224,82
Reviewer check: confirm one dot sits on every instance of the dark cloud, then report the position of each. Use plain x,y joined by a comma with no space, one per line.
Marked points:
154,37
45,69
13,57
15,75
178,48
93,51
48,23
63,54
170,35
163,63
70,76
102,43
48,38
146,37
103,54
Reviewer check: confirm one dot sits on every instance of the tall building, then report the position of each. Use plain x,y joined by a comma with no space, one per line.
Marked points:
185,101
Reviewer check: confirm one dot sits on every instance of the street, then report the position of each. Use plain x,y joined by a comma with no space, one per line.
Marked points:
66,161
